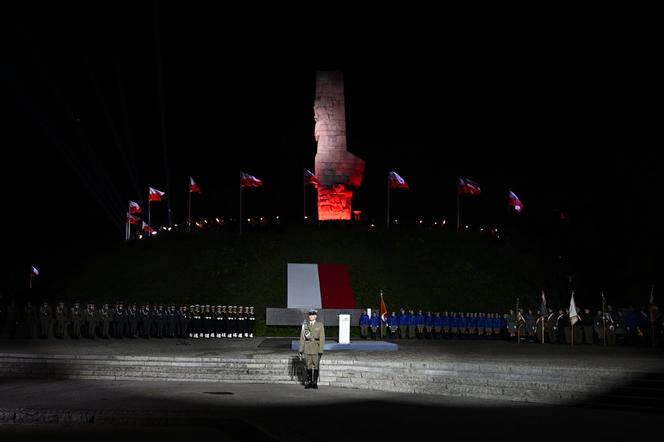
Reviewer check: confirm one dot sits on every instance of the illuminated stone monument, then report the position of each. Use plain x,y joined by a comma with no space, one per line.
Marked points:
338,170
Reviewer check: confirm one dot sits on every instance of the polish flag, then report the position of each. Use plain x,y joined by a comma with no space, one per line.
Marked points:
515,202
466,186
155,195
147,228
133,219
247,180
134,208
33,271
310,178
193,187
383,308
396,182
319,286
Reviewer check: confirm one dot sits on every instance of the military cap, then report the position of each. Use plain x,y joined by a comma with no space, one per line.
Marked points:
313,312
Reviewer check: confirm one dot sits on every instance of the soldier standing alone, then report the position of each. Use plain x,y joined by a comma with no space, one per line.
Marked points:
312,343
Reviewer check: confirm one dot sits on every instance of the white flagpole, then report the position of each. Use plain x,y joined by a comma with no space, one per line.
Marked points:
388,200
304,199
189,223
458,215
240,202
149,220
30,277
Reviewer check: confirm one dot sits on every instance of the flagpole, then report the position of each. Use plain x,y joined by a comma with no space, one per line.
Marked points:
240,202
652,320
388,200
304,199
516,321
457,206
149,219
30,285
189,223
603,320
127,228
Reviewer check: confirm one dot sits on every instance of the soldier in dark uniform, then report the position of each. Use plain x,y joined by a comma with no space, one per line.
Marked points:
183,322
530,326
11,319
30,318
224,321
246,321
231,322
550,326
171,321
45,320
240,322
403,324
75,320
587,324
312,344
60,320
251,319
91,320
105,317
159,321
132,320
419,324
412,324
146,321
120,320
196,321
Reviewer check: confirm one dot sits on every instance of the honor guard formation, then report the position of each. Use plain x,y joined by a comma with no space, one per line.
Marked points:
127,321
625,326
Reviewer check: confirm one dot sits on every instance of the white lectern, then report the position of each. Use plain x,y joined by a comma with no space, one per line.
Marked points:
344,329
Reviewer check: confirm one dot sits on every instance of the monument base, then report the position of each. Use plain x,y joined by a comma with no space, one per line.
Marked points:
353,346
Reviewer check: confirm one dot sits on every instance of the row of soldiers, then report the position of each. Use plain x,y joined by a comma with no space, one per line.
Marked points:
411,325
609,326
148,321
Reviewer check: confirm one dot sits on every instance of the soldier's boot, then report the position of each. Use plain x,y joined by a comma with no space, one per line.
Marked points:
308,378
314,384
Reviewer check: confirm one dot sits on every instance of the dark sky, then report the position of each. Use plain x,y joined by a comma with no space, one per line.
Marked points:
560,111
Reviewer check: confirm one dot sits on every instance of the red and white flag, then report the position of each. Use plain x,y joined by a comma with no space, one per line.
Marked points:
147,228
247,180
155,195
396,182
133,219
134,208
193,187
33,271
466,186
319,286
383,308
310,178
515,202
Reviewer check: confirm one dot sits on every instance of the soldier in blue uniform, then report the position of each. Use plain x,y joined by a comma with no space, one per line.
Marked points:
183,322
145,316
402,320
428,325
412,324
531,322
374,324
364,324
393,325
437,325
419,325
171,321
445,322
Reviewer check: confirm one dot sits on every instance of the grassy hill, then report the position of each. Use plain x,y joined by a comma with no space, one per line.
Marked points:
415,268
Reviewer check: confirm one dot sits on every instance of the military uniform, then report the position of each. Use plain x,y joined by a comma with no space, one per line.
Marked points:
30,319
312,343
91,321
60,320
402,319
45,319
132,321
241,322
75,319
252,322
146,321
374,323
393,325
171,321
183,321
105,317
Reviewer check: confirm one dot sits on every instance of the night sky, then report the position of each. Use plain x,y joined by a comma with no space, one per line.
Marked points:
103,100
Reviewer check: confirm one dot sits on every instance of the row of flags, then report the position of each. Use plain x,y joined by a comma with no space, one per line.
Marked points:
465,186
468,187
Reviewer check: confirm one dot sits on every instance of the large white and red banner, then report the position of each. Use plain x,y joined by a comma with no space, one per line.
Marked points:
319,286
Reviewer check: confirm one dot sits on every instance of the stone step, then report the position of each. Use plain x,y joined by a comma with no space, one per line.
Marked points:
490,381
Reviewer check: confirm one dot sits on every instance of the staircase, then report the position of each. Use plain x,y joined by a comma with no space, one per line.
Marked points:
491,379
